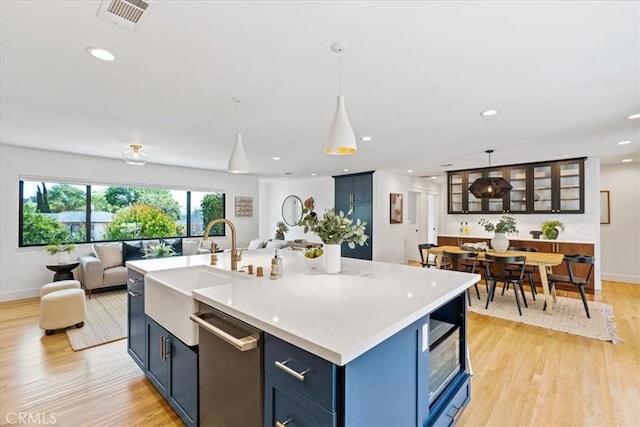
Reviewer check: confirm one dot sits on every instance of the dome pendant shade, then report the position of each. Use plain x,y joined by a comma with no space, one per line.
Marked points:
341,139
238,162
135,157
490,188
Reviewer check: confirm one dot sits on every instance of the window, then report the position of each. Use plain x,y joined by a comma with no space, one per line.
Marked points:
60,212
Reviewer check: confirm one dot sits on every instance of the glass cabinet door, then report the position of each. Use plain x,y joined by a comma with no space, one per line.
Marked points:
474,204
570,187
518,195
455,192
542,188
496,205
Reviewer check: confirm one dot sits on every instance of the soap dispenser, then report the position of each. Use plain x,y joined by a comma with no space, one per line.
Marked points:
278,263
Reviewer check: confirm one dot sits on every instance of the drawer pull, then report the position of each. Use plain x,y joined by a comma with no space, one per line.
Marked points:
456,414
134,281
288,370
134,294
284,423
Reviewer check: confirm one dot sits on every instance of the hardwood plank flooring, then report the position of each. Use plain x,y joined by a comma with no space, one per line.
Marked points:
523,375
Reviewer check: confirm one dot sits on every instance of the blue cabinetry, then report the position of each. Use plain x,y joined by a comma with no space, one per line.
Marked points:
172,367
417,377
355,192
136,319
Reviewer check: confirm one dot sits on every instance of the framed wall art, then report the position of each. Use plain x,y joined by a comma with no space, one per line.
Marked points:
244,206
395,208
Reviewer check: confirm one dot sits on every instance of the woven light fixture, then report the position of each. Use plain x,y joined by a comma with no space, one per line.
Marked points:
342,139
490,187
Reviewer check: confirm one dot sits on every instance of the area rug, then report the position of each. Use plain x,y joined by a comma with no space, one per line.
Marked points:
568,314
105,321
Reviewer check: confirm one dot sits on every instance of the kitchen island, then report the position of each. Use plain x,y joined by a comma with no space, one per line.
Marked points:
363,347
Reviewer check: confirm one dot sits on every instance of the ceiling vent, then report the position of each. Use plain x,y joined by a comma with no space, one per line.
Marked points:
126,14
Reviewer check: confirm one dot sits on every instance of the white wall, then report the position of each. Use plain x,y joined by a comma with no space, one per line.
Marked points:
620,240
23,271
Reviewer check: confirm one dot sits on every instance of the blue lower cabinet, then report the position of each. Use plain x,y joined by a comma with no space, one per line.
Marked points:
458,396
172,367
286,407
136,319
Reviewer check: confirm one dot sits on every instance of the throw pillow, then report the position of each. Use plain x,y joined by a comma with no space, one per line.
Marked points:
275,244
176,244
256,244
110,254
132,251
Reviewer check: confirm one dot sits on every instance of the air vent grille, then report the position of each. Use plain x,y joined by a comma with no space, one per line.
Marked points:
127,14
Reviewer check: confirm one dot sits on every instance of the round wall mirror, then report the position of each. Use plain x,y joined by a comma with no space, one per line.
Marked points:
292,210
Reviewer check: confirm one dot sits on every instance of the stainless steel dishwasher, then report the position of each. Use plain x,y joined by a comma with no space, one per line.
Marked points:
230,370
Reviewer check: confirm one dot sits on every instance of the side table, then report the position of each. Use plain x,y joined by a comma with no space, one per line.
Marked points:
63,271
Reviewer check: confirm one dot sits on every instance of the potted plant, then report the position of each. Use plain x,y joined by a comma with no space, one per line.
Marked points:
334,229
505,225
158,250
61,250
281,228
552,228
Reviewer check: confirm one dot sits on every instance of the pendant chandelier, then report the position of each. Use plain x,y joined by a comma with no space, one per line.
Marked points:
342,139
238,162
135,156
490,187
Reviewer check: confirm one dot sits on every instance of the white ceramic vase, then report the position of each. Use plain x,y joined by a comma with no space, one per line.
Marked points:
63,257
500,243
331,263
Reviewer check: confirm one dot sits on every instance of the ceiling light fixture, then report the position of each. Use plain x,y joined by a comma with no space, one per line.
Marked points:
490,187
342,139
366,138
275,158
624,142
100,53
238,162
634,116
134,156
627,160
488,113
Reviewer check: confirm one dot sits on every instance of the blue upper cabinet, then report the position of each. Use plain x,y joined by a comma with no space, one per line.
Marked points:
355,192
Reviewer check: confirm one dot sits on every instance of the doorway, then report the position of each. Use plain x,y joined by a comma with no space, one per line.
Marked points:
416,229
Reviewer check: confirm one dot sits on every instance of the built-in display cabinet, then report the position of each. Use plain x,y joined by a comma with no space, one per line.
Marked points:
548,187
355,193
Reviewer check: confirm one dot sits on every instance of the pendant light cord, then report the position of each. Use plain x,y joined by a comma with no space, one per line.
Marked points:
340,73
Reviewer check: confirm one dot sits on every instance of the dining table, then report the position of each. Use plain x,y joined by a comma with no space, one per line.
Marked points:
542,260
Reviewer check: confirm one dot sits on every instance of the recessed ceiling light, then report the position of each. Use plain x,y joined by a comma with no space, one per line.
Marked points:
488,113
409,170
345,170
313,174
100,53
627,160
634,116
275,158
434,177
366,138
624,142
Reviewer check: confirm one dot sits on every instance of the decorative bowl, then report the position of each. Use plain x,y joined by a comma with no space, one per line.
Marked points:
313,263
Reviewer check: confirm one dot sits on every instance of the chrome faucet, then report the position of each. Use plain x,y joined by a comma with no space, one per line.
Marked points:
235,256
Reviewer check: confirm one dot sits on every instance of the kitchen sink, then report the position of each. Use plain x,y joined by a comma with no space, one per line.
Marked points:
168,299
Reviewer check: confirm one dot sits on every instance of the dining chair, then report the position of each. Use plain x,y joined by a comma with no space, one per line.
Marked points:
572,261
423,248
455,262
496,271
528,269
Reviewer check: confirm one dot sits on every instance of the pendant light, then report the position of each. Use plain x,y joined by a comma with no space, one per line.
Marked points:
238,162
342,139
490,187
134,156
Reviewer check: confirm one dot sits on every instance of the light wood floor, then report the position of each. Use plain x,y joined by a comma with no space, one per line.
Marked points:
523,375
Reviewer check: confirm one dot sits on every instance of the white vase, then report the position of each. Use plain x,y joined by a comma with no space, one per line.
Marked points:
331,257
63,257
500,243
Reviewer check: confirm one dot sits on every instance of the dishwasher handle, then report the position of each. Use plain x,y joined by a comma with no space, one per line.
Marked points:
243,344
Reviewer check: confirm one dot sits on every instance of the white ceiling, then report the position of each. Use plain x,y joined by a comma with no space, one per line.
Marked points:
564,75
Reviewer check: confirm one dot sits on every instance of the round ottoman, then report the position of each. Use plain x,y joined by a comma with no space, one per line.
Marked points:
62,308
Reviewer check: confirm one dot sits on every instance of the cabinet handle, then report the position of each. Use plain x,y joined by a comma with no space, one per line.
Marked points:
288,370
456,414
243,344
134,294
134,281
284,423
162,348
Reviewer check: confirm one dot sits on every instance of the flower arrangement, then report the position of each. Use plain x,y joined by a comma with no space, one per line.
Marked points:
335,228
506,224
55,248
551,228
158,250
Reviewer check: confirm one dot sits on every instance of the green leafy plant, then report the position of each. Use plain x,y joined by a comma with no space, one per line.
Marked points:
158,250
506,224
54,248
281,227
335,228
551,228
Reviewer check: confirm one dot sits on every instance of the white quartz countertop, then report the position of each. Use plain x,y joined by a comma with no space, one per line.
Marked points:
518,237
